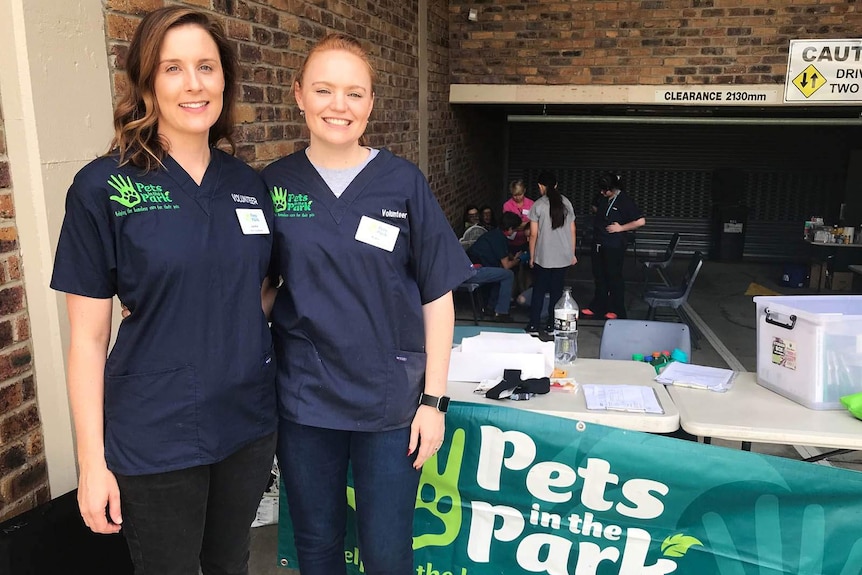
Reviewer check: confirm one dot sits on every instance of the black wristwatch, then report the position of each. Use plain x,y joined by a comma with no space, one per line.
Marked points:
441,403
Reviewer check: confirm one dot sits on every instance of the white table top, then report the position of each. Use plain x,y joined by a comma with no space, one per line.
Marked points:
572,405
835,245
750,412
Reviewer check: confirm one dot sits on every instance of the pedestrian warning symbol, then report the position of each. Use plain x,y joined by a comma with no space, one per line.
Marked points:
809,81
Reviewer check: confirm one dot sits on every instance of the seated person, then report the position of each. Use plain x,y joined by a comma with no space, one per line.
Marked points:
486,218
491,251
471,217
472,227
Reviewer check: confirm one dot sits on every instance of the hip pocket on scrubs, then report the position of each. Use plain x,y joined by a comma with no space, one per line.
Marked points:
408,380
151,413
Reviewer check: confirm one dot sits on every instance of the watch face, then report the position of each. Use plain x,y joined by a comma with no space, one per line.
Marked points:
443,405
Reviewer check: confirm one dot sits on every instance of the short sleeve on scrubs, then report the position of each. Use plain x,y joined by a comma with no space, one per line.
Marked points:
440,262
85,262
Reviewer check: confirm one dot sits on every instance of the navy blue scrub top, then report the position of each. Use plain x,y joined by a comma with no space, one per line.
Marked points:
622,211
347,323
191,377
490,249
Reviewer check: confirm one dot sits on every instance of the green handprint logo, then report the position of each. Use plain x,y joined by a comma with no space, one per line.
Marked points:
806,557
439,495
128,197
279,199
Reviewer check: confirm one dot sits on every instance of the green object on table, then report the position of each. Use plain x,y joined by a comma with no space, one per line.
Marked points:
853,403
637,357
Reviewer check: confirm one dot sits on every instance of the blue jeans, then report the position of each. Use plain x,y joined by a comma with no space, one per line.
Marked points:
313,463
500,281
178,521
546,280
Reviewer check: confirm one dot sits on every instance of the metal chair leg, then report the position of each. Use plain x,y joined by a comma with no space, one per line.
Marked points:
473,296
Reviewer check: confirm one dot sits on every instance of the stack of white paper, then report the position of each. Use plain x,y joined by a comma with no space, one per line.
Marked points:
698,376
634,398
486,355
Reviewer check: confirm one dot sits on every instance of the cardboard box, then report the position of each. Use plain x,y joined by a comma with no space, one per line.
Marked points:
809,348
817,276
842,281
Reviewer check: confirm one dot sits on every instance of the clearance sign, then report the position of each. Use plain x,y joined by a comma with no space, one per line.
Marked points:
828,71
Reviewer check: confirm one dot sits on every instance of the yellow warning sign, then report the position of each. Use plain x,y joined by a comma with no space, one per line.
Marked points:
809,81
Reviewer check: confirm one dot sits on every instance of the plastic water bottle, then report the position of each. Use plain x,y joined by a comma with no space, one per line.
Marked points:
566,329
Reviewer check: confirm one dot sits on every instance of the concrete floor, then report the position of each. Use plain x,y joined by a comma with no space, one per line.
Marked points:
721,307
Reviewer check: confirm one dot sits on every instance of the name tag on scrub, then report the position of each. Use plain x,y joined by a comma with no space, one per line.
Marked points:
376,233
252,221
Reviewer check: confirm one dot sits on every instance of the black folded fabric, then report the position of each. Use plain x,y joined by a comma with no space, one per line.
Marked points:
512,381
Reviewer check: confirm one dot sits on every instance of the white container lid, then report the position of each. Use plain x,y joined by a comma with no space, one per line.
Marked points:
815,308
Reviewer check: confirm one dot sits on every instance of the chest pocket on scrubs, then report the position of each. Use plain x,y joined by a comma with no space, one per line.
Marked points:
151,418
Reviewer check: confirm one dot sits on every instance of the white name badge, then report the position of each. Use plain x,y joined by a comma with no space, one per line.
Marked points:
525,211
376,233
252,221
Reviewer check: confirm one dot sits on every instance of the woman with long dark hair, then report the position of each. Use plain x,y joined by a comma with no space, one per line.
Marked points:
175,428
552,247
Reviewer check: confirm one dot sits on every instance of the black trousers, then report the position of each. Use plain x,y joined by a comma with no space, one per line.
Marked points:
546,280
608,275
179,521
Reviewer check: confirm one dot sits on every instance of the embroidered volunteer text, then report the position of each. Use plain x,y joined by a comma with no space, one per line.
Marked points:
240,199
393,214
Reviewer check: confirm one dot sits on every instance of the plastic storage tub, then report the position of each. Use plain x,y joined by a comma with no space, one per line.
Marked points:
809,348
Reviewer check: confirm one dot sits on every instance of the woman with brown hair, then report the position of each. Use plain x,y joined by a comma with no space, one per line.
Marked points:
175,428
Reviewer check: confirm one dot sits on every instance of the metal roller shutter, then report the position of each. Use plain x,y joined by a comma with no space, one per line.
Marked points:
783,173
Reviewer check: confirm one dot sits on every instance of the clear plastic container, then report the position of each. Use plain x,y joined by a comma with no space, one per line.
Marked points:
809,348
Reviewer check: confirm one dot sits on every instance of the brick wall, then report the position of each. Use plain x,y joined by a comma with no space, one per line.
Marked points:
23,470
272,38
638,41
458,142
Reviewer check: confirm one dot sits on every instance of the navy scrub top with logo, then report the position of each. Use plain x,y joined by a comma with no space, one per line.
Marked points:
621,210
347,323
191,377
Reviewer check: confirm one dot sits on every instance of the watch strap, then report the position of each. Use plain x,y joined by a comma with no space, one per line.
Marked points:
441,403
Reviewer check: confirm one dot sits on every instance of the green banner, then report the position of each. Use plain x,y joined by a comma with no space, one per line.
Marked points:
517,492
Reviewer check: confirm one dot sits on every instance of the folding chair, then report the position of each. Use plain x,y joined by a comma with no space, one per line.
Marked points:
622,338
475,303
676,296
661,262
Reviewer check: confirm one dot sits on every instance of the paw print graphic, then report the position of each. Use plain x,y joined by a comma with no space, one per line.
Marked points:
279,199
128,196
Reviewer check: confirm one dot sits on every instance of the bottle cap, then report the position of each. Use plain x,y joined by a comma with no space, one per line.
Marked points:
637,357
679,355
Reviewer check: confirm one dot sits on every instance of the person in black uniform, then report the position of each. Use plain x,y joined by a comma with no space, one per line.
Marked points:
614,214
175,429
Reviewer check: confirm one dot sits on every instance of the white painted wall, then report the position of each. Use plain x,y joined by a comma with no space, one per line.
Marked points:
55,85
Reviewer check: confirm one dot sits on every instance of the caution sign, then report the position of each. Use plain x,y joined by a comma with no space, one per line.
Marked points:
809,81
824,71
